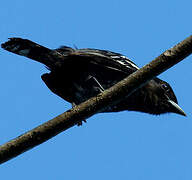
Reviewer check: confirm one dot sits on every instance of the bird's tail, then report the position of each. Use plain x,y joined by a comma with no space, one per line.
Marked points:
33,51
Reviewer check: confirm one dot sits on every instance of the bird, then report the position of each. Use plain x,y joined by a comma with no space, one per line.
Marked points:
79,74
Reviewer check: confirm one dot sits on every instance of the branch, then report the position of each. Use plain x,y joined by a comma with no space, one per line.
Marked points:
94,105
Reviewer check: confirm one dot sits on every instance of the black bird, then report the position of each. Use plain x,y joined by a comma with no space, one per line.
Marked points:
79,74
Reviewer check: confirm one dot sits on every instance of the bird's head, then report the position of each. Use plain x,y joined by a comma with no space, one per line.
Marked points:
162,98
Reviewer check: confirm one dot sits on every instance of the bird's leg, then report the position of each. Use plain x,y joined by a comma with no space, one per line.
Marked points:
95,83
81,122
73,104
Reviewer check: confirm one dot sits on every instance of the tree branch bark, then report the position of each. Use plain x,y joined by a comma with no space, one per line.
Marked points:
96,104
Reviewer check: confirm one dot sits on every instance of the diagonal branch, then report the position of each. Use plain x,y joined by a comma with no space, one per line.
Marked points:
94,105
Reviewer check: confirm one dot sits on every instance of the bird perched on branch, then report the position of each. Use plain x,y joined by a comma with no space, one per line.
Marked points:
79,74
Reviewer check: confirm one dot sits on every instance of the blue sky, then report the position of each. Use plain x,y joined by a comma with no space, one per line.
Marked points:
126,145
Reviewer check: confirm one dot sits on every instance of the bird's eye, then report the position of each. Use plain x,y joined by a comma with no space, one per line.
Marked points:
165,87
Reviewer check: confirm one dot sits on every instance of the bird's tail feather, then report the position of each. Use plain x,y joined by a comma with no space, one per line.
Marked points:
32,50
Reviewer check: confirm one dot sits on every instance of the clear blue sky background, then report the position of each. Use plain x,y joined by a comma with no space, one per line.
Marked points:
127,145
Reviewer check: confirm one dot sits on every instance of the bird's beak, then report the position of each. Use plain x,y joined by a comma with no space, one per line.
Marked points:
176,108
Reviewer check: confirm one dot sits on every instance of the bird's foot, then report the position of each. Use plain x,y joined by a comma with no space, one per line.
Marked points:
81,122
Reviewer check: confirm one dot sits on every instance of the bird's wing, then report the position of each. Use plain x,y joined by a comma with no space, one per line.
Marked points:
119,58
99,59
